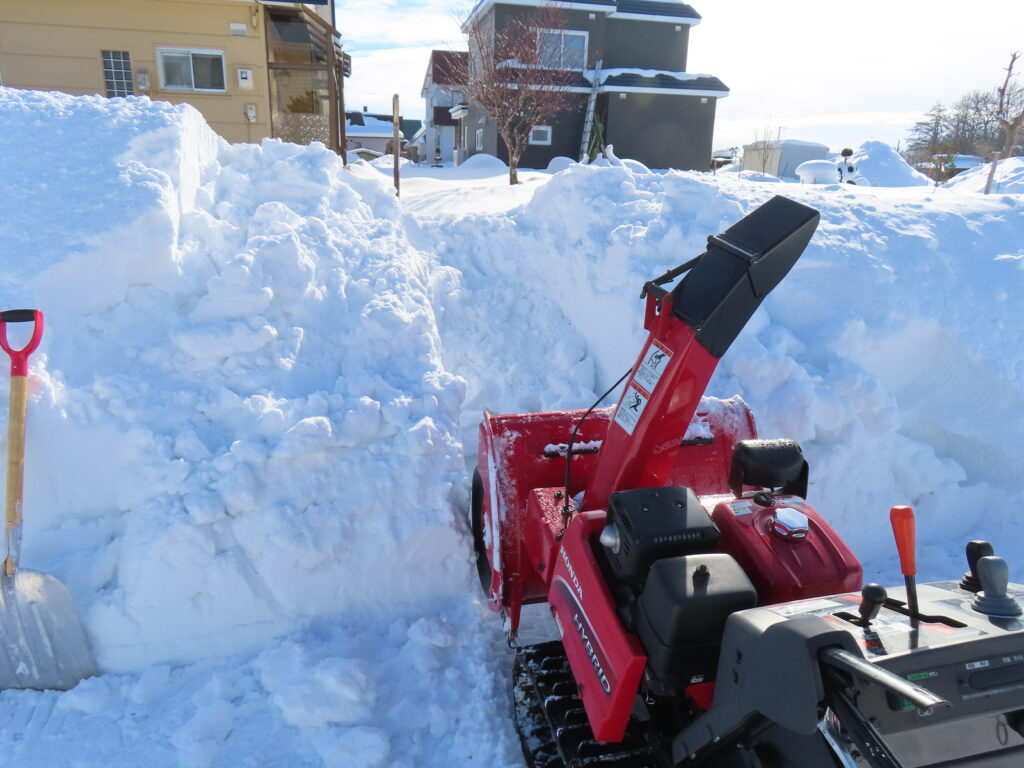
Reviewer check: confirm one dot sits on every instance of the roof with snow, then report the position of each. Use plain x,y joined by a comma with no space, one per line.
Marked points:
655,8
782,143
664,81
369,127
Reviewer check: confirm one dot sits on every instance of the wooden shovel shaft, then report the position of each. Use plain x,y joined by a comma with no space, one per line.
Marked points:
15,472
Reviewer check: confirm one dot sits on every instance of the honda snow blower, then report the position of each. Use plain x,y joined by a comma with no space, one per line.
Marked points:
708,615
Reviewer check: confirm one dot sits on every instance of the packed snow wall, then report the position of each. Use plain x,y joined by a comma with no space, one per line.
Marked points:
240,417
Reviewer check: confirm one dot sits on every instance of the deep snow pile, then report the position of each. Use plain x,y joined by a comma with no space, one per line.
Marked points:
883,166
1009,178
241,430
258,393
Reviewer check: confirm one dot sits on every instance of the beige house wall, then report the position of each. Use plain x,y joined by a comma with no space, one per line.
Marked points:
58,44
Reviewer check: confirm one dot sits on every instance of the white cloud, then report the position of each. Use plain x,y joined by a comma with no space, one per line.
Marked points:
376,75
829,72
382,24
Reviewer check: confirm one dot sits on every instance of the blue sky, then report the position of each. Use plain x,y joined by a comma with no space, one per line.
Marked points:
838,73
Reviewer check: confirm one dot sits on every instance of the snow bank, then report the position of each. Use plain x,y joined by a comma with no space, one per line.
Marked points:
1009,178
240,346
261,380
883,166
483,162
559,163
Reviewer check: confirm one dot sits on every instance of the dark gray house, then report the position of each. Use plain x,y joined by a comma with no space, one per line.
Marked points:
632,58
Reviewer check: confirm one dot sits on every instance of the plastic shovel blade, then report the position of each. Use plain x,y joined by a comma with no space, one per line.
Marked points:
42,643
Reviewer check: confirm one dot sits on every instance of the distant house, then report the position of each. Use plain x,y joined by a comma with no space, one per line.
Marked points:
954,164
781,158
375,132
631,56
443,88
254,69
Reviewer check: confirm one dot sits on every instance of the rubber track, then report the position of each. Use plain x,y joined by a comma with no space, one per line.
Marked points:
552,724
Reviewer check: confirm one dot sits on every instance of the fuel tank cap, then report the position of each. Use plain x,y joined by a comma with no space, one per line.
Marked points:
789,524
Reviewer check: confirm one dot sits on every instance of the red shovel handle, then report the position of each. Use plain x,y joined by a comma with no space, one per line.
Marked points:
19,357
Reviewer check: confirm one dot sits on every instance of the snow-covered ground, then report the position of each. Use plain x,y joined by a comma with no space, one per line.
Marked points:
255,406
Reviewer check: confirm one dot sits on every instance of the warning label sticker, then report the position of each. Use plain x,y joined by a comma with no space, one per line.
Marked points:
632,407
804,606
655,361
741,507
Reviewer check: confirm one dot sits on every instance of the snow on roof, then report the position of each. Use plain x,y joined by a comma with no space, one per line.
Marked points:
657,10
372,128
630,78
670,9
646,73
783,143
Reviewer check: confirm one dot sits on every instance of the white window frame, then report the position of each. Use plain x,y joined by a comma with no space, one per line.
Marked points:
540,143
479,139
561,52
160,51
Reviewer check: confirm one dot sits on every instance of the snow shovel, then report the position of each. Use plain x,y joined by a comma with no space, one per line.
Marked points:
42,643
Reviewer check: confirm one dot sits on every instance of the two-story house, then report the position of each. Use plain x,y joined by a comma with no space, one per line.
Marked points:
444,87
254,69
632,60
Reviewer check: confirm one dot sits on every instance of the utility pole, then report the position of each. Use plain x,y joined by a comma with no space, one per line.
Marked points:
342,127
396,143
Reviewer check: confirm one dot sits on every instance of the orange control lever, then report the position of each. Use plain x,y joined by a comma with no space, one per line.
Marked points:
902,519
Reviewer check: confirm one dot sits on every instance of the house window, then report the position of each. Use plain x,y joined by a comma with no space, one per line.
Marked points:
562,48
541,134
479,139
182,69
117,72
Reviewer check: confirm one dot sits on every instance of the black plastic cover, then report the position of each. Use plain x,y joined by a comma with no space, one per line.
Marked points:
769,464
682,613
740,268
655,523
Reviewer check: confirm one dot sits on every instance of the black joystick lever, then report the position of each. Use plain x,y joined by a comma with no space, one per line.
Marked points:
994,574
872,596
975,551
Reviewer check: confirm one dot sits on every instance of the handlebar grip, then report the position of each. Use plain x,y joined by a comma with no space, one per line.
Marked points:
18,316
19,357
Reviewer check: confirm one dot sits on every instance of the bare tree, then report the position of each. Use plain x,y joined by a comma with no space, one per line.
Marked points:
764,140
1009,124
520,73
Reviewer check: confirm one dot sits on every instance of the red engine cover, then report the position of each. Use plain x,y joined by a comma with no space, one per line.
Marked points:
784,569
606,660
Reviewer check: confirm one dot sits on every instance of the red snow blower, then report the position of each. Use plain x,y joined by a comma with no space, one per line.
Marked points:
708,615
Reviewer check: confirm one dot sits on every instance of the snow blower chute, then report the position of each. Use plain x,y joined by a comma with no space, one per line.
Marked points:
708,615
